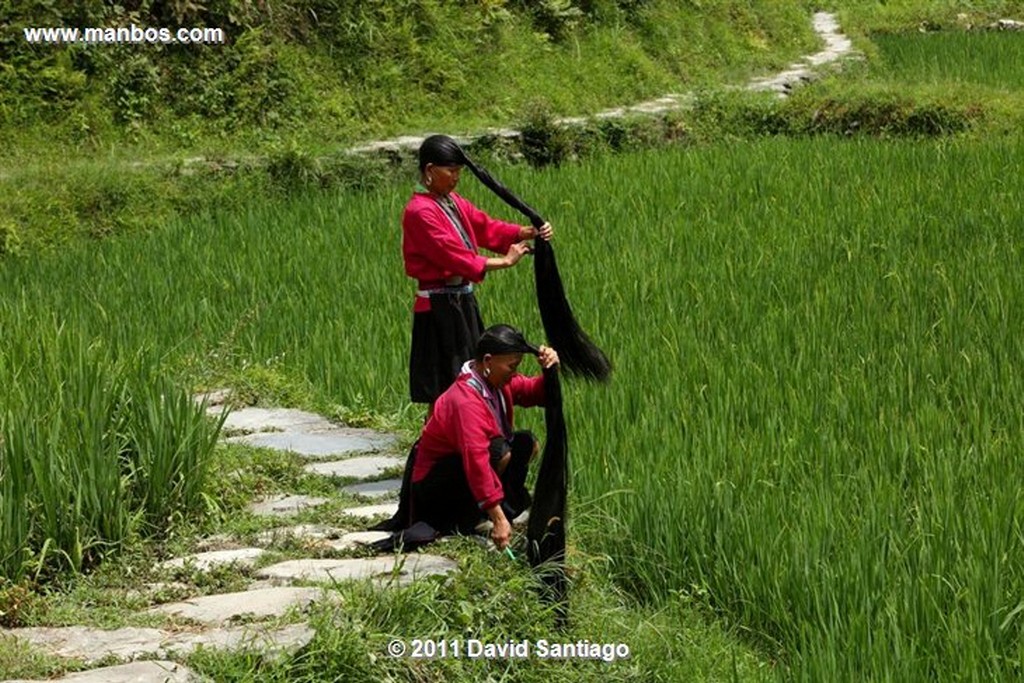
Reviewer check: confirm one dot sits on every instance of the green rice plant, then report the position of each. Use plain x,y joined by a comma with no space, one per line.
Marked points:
813,424
62,437
988,58
169,449
90,447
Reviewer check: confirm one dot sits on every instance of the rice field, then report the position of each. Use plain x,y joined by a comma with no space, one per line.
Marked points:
986,58
814,425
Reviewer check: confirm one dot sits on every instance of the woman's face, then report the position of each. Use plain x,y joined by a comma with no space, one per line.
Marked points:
441,179
503,367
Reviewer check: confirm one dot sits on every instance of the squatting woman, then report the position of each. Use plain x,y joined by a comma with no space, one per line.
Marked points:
470,464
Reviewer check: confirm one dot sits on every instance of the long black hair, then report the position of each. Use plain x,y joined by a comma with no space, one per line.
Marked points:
576,351
545,532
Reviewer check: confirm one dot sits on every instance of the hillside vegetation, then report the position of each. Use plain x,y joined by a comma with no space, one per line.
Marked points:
99,139
330,71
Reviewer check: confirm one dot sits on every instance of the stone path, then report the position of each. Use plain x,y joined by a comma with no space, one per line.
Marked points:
212,621
836,48
334,451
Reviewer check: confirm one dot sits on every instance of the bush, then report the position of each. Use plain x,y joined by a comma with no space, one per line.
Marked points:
876,112
542,140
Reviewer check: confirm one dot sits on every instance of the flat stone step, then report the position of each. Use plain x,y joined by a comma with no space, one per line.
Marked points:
361,467
403,568
356,539
260,604
372,511
284,506
321,444
153,671
244,557
308,532
249,420
375,489
92,644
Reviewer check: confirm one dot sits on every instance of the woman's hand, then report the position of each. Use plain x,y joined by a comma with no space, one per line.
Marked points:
501,532
515,252
545,232
548,357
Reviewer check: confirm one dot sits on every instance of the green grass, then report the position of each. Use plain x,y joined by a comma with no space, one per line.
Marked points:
988,58
810,434
863,17
263,109
812,425
491,599
813,414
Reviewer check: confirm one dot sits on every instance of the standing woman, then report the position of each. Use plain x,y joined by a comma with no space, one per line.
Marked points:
441,235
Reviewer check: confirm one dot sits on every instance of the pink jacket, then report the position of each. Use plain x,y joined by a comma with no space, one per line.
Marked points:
433,250
462,424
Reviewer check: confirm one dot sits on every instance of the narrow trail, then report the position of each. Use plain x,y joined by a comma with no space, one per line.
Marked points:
836,48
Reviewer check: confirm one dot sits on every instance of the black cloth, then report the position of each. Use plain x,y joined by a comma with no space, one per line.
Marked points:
443,499
443,338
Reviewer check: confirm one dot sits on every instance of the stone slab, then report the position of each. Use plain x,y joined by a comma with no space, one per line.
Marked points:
375,489
307,532
92,644
270,644
356,539
283,506
152,671
215,398
259,604
249,420
320,445
244,557
402,568
361,467
371,511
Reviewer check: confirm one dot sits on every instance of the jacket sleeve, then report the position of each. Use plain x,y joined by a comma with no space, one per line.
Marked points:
435,238
474,428
490,233
527,391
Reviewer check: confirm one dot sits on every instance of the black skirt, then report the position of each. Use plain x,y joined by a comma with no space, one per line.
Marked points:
443,338
443,498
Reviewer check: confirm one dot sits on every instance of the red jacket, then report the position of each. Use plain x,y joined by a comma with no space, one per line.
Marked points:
463,424
433,250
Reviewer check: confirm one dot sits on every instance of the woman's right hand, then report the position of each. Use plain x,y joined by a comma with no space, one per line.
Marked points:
501,533
516,252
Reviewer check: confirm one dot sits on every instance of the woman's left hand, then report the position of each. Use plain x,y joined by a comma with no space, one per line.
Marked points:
548,357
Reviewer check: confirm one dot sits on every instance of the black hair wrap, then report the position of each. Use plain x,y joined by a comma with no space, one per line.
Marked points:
441,150
499,339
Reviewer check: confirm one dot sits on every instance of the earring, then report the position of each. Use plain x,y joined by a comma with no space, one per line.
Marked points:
487,372
430,180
